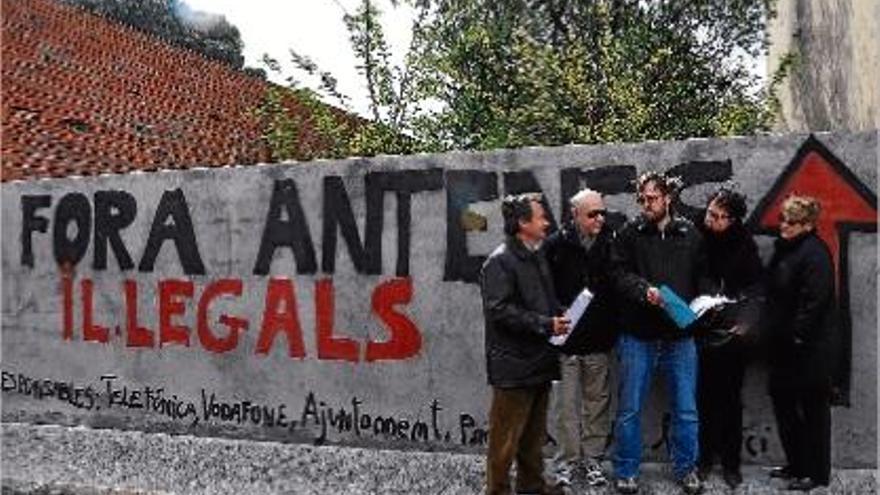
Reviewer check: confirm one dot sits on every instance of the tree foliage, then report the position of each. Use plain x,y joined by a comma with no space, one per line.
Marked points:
210,35
484,74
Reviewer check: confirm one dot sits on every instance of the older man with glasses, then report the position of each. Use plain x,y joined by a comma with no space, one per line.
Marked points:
580,257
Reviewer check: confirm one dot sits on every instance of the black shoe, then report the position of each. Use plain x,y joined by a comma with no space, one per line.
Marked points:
782,473
703,471
732,477
691,484
802,484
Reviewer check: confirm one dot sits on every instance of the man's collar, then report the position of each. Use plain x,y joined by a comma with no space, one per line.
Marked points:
676,225
520,248
531,246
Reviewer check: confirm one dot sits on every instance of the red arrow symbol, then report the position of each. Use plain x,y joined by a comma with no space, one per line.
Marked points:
842,202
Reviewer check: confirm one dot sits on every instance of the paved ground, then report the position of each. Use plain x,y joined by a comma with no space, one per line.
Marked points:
81,461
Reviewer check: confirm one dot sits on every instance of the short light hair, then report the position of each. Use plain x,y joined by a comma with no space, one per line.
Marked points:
801,209
581,195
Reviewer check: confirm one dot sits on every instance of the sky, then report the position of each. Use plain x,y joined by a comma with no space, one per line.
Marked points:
312,27
315,29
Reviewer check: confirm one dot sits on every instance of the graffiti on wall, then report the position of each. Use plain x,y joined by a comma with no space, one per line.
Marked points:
318,418
848,205
88,236
75,221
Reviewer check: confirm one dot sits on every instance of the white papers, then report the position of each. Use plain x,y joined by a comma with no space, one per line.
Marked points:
573,315
704,303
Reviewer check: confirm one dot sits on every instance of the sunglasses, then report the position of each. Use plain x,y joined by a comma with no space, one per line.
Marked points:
789,221
596,213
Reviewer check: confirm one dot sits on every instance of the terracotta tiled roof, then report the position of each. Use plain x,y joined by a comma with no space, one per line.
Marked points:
83,95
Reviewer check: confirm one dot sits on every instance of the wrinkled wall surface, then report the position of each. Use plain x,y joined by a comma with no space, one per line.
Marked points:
334,301
833,85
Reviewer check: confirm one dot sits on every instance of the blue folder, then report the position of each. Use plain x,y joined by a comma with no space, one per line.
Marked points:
677,308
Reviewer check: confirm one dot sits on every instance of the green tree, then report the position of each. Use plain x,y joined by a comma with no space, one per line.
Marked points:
547,72
484,74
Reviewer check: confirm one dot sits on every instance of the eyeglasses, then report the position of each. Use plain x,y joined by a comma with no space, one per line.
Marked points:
717,217
596,213
648,198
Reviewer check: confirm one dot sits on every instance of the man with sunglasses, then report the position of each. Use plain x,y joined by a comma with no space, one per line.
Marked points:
657,249
580,256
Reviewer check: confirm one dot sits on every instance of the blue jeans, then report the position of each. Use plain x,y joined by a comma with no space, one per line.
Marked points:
677,361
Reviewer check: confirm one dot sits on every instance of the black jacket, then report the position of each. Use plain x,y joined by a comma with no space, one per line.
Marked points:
735,269
573,268
518,305
800,314
648,257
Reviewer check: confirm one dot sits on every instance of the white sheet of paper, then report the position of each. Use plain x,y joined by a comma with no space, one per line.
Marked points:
573,315
704,303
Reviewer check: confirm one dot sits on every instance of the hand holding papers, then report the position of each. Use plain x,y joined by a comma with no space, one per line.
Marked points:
573,314
704,303
684,314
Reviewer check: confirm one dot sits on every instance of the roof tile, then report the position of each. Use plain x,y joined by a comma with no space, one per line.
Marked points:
83,95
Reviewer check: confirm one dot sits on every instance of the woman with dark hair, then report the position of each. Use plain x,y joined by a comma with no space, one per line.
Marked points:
800,317
735,268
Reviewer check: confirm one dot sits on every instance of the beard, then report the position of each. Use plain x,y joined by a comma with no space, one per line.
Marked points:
655,215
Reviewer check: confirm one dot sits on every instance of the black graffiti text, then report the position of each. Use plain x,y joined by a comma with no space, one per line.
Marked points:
355,420
45,388
148,398
244,411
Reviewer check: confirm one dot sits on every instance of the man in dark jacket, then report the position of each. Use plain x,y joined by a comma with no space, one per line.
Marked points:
654,250
520,310
579,257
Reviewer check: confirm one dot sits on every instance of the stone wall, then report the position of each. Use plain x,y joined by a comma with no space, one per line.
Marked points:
335,301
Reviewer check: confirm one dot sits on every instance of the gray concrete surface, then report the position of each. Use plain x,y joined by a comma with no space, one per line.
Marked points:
433,396
833,85
63,460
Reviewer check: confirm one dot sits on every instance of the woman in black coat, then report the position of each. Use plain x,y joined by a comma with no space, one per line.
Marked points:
734,267
800,315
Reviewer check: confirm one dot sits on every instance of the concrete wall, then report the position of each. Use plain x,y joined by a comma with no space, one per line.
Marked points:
170,311
834,86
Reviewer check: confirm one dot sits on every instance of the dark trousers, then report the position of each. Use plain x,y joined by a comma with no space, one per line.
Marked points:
517,429
719,401
803,417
